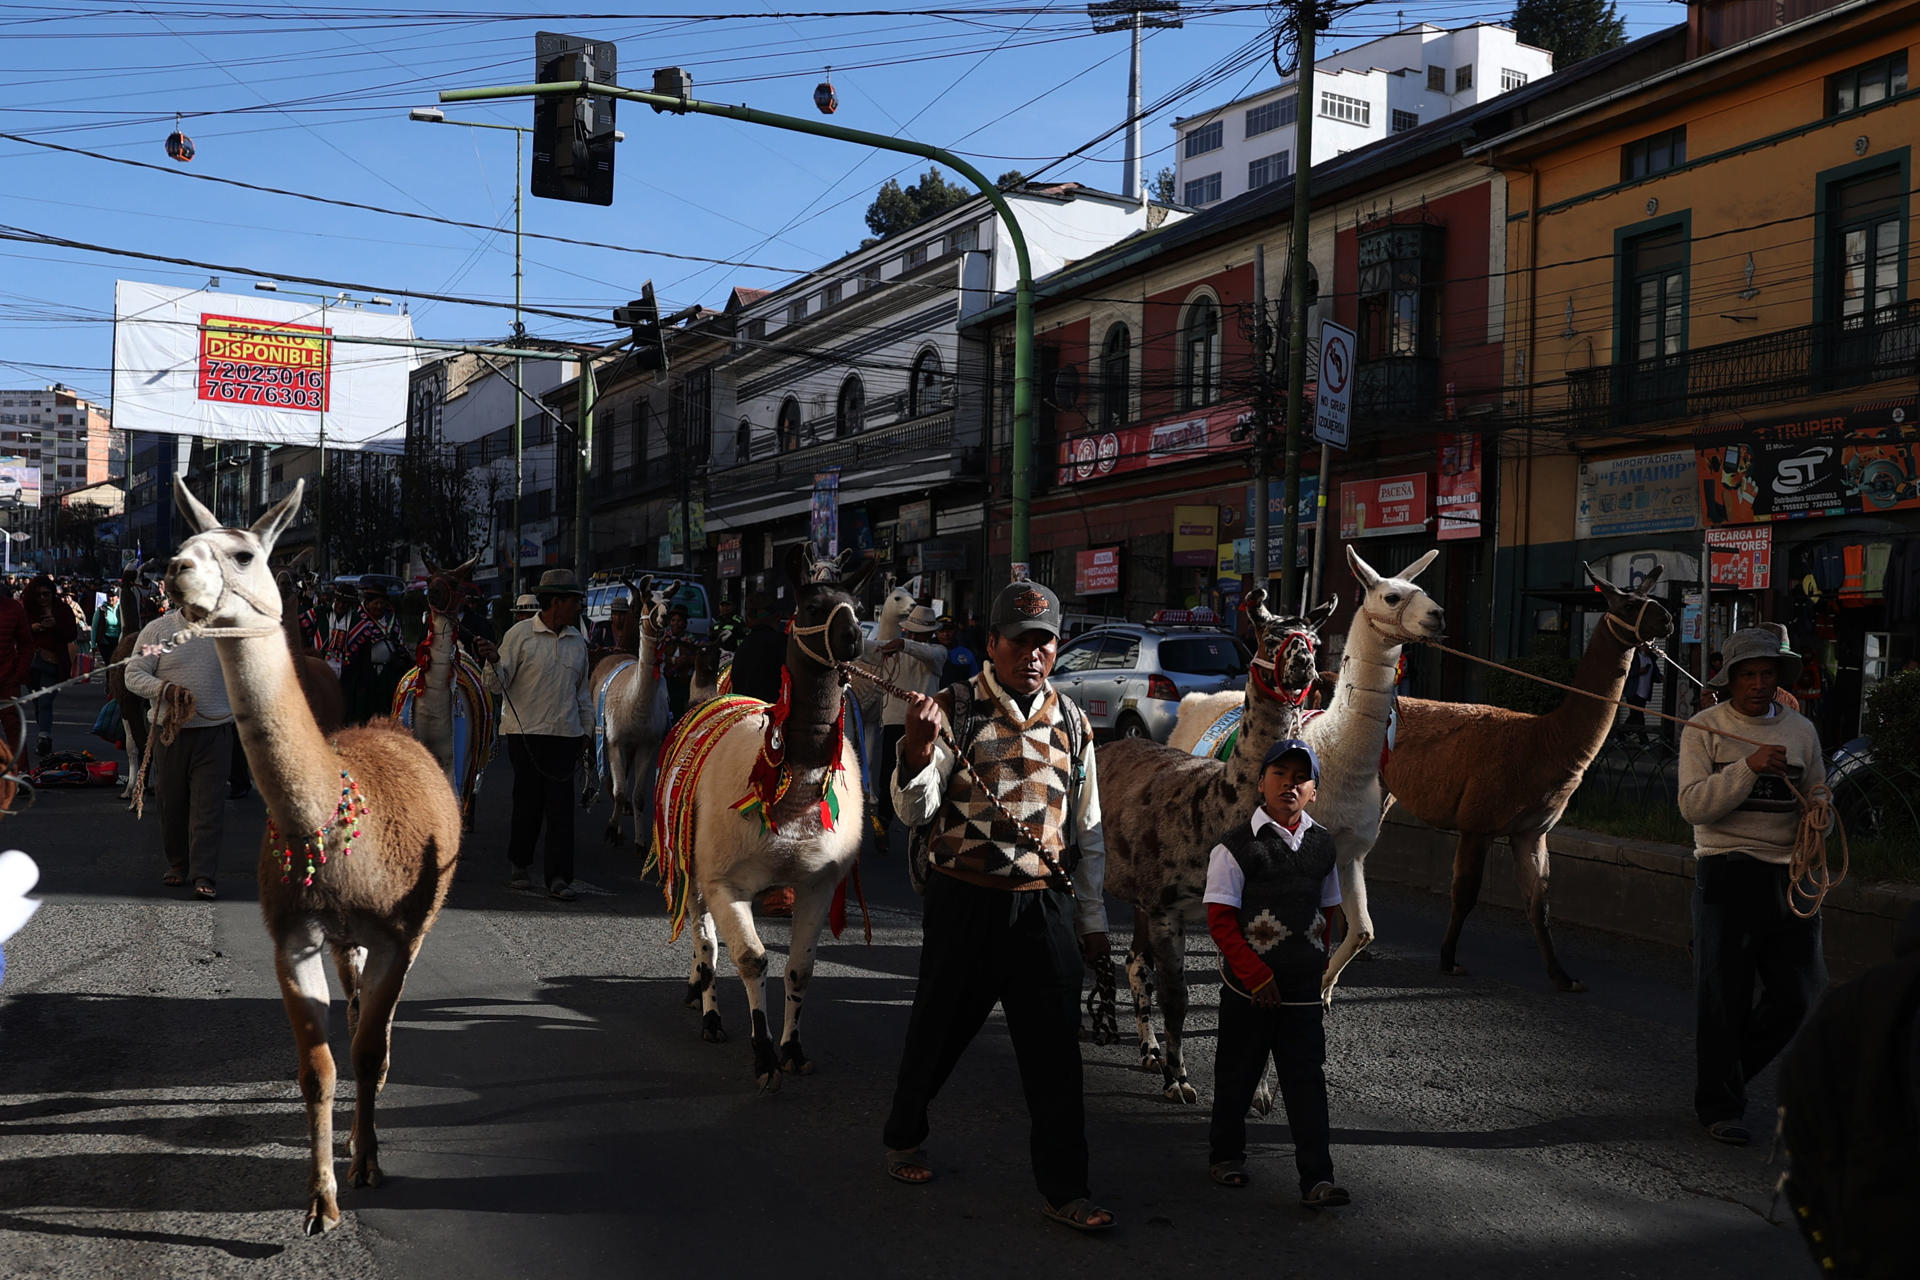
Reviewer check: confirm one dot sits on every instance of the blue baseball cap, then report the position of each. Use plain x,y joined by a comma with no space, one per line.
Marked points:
1286,747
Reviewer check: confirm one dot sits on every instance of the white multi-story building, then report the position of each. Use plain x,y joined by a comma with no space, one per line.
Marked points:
1365,93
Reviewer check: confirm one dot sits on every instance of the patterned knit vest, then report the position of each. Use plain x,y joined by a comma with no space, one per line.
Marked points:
1280,905
1028,765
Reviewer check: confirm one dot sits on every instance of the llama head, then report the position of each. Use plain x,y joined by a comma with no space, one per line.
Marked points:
220,576
898,604
1634,616
1286,646
1400,612
826,621
651,598
294,579
447,588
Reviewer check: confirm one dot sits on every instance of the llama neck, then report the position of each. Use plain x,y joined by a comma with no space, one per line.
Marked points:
638,691
295,768
1363,699
290,625
813,728
1579,725
1265,721
887,628
443,640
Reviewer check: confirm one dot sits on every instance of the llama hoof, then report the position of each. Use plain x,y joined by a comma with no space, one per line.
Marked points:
1182,1092
1453,970
793,1059
1263,1102
322,1219
612,835
710,1029
770,1082
364,1172
1150,1057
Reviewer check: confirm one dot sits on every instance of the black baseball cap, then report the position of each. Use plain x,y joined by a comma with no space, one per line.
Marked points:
1289,746
1026,606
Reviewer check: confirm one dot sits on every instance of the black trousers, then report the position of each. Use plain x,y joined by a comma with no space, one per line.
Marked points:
982,947
890,737
1296,1039
543,791
1745,936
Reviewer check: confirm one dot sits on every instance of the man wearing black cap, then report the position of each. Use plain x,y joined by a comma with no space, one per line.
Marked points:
1269,882
1016,867
541,672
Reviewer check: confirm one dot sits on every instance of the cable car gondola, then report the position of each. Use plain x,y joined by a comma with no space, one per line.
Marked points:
179,145
824,97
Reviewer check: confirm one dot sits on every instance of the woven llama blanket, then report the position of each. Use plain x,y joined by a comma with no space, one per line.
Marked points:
475,733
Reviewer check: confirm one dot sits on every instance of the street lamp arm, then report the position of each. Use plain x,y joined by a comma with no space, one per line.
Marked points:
1021,498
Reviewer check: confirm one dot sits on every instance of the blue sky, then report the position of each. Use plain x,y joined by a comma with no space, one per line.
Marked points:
313,98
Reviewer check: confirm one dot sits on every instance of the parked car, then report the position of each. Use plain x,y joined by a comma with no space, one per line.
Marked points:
1129,677
603,591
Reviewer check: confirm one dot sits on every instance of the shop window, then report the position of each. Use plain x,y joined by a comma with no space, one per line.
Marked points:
1200,354
787,425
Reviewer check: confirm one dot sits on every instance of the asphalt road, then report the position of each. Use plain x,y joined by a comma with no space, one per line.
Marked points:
552,1110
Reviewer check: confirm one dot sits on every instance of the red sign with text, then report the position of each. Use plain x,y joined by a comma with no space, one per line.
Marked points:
1096,572
1742,557
1388,505
1107,453
1458,500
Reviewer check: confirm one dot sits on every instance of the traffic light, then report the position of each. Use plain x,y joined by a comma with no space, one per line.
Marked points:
642,315
573,135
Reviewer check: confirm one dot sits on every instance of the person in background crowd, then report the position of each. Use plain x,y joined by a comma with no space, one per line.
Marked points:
1784,695
373,657
677,654
55,638
1746,932
340,621
962,663
106,624
137,608
16,660
525,607
762,651
1639,688
540,668
475,624
729,628
192,752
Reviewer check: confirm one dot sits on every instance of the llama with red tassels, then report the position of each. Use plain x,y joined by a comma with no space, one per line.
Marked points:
752,797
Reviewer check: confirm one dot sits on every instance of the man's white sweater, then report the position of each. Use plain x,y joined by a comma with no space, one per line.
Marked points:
194,665
1733,809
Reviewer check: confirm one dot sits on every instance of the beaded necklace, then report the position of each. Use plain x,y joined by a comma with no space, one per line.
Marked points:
346,816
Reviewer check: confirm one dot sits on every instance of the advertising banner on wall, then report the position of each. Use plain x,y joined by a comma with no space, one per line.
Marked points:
1096,572
824,519
19,483
1858,462
1742,557
1458,499
1100,454
1277,501
916,521
1384,506
1643,493
1194,535
729,556
256,367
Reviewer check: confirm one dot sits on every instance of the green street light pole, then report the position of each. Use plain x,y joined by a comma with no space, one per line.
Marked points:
1023,291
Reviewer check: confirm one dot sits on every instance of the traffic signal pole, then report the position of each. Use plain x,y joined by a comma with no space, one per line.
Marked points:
1022,498
1307,18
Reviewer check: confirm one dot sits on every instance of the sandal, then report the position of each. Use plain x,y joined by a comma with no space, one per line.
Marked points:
1229,1173
173,879
1731,1132
1078,1214
1324,1195
900,1162
204,890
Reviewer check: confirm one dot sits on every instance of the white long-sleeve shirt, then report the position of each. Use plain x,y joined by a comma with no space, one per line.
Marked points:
194,666
917,799
917,667
545,680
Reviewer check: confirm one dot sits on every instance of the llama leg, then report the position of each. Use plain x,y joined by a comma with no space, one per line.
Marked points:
1469,866
1140,982
735,920
386,972
1353,893
302,971
809,915
701,994
1170,957
1530,858
350,963
620,773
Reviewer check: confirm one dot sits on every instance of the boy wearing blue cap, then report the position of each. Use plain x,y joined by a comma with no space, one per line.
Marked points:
1269,881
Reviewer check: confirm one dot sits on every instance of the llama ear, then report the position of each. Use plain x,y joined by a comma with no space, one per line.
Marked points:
302,560
1599,581
465,568
191,509
1253,600
1647,583
433,570
1361,569
1319,615
270,526
1412,571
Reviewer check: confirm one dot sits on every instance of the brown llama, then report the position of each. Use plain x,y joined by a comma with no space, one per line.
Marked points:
1162,811
362,834
1488,772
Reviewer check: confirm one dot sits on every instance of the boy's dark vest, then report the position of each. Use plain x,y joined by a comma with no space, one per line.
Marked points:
1280,906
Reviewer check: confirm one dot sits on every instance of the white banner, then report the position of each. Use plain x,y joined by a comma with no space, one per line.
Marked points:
257,367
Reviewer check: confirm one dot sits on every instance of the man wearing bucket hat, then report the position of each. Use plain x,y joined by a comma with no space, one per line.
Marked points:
540,670
1745,821
911,660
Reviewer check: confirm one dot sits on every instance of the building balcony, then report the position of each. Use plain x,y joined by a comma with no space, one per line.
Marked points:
1397,389
1764,369
930,433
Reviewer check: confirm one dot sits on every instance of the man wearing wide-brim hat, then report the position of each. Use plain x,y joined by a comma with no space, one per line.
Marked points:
1745,821
911,660
540,670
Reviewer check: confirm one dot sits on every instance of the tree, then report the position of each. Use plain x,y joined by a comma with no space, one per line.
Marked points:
362,495
443,518
1572,30
1162,187
896,208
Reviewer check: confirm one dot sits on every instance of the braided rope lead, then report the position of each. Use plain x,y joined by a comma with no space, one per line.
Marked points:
1807,870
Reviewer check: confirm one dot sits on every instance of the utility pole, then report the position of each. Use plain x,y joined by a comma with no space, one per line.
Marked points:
1307,21
1263,414
1132,16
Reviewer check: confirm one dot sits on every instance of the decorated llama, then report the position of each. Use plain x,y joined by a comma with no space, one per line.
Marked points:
753,797
631,714
1524,768
442,700
362,834
1162,811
